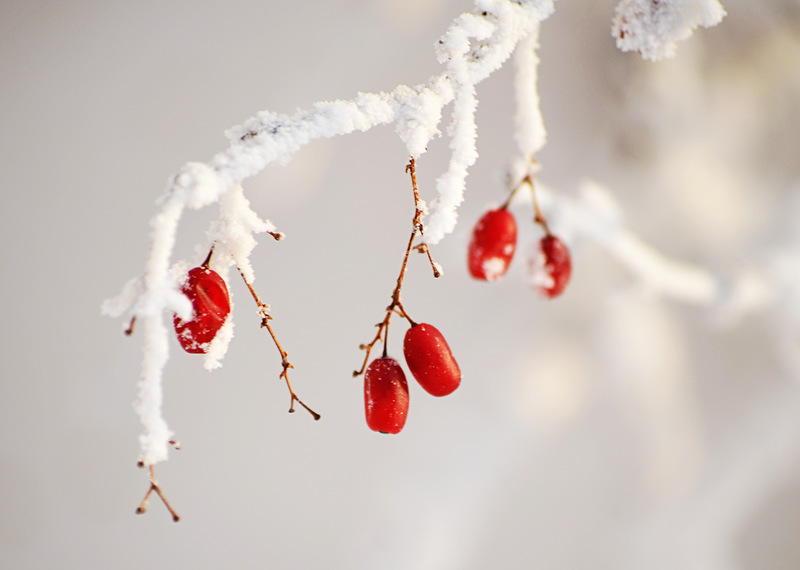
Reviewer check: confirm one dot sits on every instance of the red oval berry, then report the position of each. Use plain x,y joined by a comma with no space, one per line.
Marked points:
429,358
211,305
385,396
550,267
494,240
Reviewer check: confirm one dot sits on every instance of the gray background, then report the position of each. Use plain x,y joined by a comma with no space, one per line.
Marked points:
607,429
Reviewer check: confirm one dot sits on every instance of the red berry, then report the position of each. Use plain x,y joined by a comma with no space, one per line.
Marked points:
494,240
550,267
211,305
430,360
385,396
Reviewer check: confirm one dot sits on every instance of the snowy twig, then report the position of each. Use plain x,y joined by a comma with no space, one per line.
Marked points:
653,27
396,306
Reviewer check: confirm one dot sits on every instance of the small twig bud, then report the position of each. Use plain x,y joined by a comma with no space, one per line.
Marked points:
129,330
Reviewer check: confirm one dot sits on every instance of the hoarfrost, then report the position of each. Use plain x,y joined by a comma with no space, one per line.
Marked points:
474,46
653,27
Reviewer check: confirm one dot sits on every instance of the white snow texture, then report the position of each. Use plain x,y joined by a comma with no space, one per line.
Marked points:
653,27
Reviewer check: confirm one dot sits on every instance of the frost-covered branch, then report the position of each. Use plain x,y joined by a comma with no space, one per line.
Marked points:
530,135
474,46
653,27
597,217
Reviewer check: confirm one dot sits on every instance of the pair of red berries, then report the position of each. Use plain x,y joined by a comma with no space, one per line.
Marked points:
211,306
494,241
385,388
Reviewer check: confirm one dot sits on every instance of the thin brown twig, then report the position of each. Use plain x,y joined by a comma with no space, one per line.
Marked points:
154,486
538,217
411,168
263,309
396,306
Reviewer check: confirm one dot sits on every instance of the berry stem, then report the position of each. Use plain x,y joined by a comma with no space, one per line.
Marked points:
538,217
129,330
504,205
154,486
396,306
207,260
411,168
263,309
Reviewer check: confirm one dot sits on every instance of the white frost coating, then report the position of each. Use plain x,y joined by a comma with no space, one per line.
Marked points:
420,112
117,306
498,32
232,234
530,134
160,295
653,27
179,274
453,51
154,440
200,183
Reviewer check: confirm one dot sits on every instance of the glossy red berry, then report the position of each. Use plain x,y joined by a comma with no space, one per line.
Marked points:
211,305
494,240
550,267
385,396
429,358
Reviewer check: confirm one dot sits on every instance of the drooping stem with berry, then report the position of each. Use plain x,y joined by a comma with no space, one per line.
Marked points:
386,396
396,305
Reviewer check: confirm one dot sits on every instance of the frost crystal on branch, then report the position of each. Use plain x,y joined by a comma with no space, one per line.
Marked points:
530,134
653,27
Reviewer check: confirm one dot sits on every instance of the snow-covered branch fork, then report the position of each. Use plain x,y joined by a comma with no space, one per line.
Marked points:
474,46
